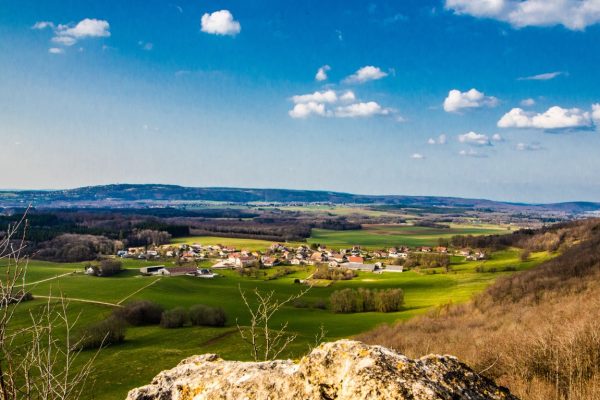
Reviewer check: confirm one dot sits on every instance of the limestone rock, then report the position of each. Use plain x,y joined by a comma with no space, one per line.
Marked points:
343,370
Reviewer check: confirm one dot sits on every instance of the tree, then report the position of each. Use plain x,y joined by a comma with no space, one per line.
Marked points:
36,362
266,342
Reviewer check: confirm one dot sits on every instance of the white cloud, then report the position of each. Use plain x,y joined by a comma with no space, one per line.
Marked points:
322,73
457,100
303,110
220,23
43,25
554,118
55,50
496,137
64,40
88,27
417,156
329,103
471,153
528,147
572,14
348,95
146,45
440,140
474,138
542,77
596,112
326,96
366,109
527,102
365,74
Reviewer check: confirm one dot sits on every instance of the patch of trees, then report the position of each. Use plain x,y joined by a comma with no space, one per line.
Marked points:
197,315
140,313
334,274
73,248
427,260
104,333
147,237
431,224
364,300
106,267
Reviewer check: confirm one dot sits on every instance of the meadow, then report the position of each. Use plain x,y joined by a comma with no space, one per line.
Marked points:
148,350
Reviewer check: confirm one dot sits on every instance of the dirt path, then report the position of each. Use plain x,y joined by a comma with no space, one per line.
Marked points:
139,290
49,279
218,338
102,303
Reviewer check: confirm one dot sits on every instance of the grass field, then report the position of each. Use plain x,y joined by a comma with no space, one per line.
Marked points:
149,350
370,237
377,236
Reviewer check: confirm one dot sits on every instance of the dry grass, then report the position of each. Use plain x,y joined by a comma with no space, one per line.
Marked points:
537,332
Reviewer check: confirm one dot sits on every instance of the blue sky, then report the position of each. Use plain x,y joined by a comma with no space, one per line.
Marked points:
481,98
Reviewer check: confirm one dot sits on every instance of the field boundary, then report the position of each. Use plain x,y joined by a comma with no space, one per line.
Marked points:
137,291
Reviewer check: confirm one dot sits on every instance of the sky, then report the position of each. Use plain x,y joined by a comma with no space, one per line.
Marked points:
496,99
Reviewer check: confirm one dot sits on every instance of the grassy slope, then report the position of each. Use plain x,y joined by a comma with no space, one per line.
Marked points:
151,349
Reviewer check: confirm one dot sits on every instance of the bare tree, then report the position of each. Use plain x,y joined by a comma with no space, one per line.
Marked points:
265,341
37,361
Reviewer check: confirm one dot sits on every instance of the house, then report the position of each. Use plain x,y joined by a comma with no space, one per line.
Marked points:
340,258
426,249
177,271
122,253
380,254
296,261
135,250
360,267
333,264
242,261
205,273
317,256
153,270
269,261
441,249
356,259
393,268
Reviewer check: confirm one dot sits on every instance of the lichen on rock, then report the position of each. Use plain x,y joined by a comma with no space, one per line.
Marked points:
342,370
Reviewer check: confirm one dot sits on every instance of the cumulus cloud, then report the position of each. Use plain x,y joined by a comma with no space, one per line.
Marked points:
527,102
457,101
304,110
417,156
329,103
528,147
88,27
69,34
471,153
322,73
496,137
475,139
542,77
365,74
572,14
596,112
366,109
554,118
442,139
43,25
326,96
55,50
220,23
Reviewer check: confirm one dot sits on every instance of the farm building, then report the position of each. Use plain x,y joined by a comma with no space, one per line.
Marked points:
360,267
393,268
151,270
176,271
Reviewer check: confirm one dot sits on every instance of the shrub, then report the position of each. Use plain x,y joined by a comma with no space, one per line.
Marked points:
389,300
300,303
321,304
141,312
343,301
203,315
104,333
174,318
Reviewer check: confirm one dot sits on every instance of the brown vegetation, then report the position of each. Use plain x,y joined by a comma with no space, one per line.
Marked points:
536,332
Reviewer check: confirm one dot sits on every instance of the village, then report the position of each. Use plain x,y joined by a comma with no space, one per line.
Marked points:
395,259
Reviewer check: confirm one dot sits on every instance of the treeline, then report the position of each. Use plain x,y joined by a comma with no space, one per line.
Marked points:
427,260
364,300
113,329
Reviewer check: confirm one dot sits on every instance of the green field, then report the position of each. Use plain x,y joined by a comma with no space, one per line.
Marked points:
378,236
149,350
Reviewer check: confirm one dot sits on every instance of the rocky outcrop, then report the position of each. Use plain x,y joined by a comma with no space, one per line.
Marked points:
342,370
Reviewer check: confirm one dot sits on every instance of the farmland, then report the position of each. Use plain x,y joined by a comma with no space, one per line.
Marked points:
151,349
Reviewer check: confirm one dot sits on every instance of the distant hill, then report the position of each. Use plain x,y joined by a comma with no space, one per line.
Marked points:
145,195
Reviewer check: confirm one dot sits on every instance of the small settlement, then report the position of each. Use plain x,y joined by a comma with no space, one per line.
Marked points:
393,260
